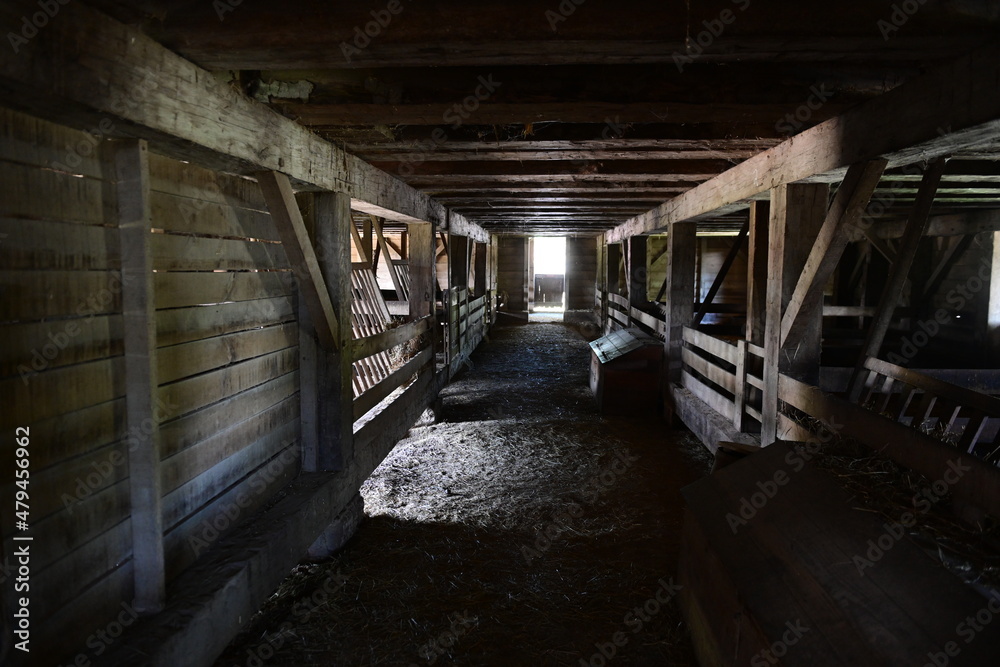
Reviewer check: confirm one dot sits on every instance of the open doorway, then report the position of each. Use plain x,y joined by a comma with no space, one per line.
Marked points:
549,274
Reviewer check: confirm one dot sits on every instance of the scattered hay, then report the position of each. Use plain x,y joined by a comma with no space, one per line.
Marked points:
521,531
885,488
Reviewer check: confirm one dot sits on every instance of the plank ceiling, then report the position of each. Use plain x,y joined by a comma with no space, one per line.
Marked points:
592,111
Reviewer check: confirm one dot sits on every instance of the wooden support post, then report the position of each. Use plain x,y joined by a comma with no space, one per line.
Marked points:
739,391
797,212
367,247
336,399
422,269
848,206
482,277
915,226
459,261
302,256
637,274
141,384
720,278
682,243
760,212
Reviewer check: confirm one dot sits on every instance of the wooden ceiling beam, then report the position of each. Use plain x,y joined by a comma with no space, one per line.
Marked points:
258,35
903,126
555,155
499,113
89,71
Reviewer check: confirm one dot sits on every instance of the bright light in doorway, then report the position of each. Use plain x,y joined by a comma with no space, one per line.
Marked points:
550,255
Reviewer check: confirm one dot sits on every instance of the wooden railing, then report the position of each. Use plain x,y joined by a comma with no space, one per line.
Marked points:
468,320
721,374
625,316
947,411
377,346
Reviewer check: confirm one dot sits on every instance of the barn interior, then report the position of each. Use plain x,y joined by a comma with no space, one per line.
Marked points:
288,290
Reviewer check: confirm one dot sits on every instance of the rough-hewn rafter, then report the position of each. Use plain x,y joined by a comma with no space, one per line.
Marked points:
88,70
904,126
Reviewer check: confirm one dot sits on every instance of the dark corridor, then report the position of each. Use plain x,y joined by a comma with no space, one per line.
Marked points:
522,529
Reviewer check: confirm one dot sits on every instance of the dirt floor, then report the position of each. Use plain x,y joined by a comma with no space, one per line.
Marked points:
522,529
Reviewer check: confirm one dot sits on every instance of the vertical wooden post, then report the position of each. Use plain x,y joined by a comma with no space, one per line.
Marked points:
459,260
141,384
637,277
333,222
529,273
739,393
312,355
797,213
422,262
367,247
760,212
681,246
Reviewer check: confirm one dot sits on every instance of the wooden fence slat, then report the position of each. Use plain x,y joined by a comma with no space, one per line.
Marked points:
710,344
715,400
178,252
723,378
375,395
200,356
181,325
182,289
364,347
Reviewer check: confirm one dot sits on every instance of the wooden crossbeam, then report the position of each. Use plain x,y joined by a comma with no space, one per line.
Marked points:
847,208
915,226
90,71
954,96
295,239
738,243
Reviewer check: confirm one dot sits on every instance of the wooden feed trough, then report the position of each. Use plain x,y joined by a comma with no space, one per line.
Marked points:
779,567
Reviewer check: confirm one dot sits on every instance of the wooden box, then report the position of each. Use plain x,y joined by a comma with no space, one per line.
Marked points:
625,370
